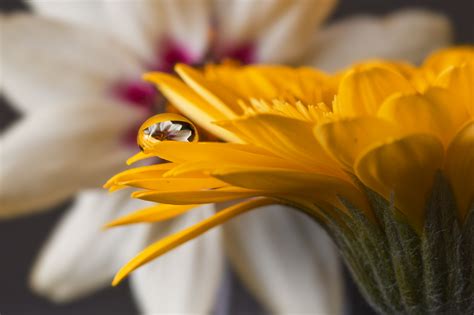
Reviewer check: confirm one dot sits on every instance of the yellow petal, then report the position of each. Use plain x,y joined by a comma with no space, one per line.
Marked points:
155,213
175,184
205,167
440,61
363,90
191,167
270,82
168,243
460,168
460,81
190,104
312,186
405,69
216,94
196,196
445,58
346,139
139,156
142,172
287,138
405,167
220,153
432,113
449,100
290,84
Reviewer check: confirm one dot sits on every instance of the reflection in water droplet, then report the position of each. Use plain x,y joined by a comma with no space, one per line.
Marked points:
170,131
165,127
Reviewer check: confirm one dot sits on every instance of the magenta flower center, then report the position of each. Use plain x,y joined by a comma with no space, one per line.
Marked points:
245,53
136,93
171,55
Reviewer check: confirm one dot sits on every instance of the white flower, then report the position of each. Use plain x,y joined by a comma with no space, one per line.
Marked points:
167,130
74,73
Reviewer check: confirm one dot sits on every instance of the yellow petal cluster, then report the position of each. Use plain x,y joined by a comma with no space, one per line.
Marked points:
305,138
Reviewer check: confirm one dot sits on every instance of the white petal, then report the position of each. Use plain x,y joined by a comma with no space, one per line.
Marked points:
279,29
152,129
80,257
164,126
84,13
181,135
175,127
51,154
406,35
148,26
185,280
47,63
287,260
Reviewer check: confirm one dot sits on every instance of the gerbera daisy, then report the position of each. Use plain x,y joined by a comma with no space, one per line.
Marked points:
381,155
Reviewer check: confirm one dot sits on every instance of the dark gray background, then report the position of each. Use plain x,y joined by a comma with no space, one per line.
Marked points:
21,239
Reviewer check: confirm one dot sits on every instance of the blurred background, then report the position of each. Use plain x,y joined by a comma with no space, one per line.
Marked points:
20,239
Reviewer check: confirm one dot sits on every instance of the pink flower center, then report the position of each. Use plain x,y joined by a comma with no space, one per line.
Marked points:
171,55
245,53
136,93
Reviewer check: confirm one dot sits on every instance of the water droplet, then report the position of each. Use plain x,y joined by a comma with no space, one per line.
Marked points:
165,127
169,130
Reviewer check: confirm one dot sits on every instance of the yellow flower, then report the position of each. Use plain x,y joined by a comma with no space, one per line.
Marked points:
304,138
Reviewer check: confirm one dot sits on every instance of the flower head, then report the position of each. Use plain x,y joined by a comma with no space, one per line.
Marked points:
105,46
317,142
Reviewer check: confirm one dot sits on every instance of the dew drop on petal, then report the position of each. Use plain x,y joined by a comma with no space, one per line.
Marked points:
167,131
165,127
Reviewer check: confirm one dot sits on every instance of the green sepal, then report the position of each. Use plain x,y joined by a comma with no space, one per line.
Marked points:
348,245
402,247
441,250
467,253
401,270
